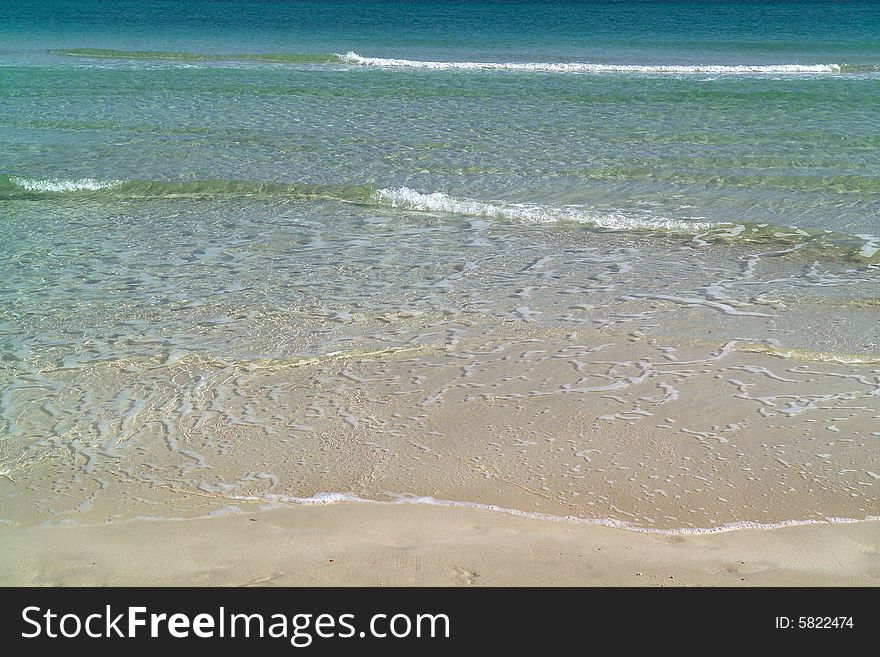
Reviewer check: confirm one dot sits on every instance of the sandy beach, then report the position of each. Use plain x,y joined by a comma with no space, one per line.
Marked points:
424,293
410,545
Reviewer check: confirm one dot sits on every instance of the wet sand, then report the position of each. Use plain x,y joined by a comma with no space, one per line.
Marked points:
655,433
407,545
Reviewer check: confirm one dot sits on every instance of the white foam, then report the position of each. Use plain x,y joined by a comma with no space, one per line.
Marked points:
870,247
226,510
578,67
404,197
276,501
727,309
61,185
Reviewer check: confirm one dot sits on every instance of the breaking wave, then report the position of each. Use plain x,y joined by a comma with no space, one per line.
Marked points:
352,58
861,247
578,67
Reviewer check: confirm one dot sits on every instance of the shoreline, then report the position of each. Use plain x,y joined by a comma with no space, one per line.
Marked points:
426,545
271,502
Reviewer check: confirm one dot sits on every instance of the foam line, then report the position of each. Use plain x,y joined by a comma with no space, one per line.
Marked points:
404,197
577,67
60,185
321,499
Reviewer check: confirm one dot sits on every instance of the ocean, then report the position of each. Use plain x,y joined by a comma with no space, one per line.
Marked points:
613,261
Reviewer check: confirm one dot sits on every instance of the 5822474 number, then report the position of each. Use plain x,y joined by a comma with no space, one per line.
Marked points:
814,622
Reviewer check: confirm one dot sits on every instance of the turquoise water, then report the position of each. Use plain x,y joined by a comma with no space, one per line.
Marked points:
241,180
784,148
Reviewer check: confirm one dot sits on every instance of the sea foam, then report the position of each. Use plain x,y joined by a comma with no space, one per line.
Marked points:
404,197
578,67
276,501
62,185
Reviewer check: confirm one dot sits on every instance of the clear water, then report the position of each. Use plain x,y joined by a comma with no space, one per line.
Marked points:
218,181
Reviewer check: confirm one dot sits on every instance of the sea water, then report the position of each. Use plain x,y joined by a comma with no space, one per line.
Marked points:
279,248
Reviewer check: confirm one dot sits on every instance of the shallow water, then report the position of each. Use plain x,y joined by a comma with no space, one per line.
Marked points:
237,264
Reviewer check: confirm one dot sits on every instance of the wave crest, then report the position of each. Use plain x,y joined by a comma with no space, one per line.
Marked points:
61,185
353,58
861,247
404,197
577,67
